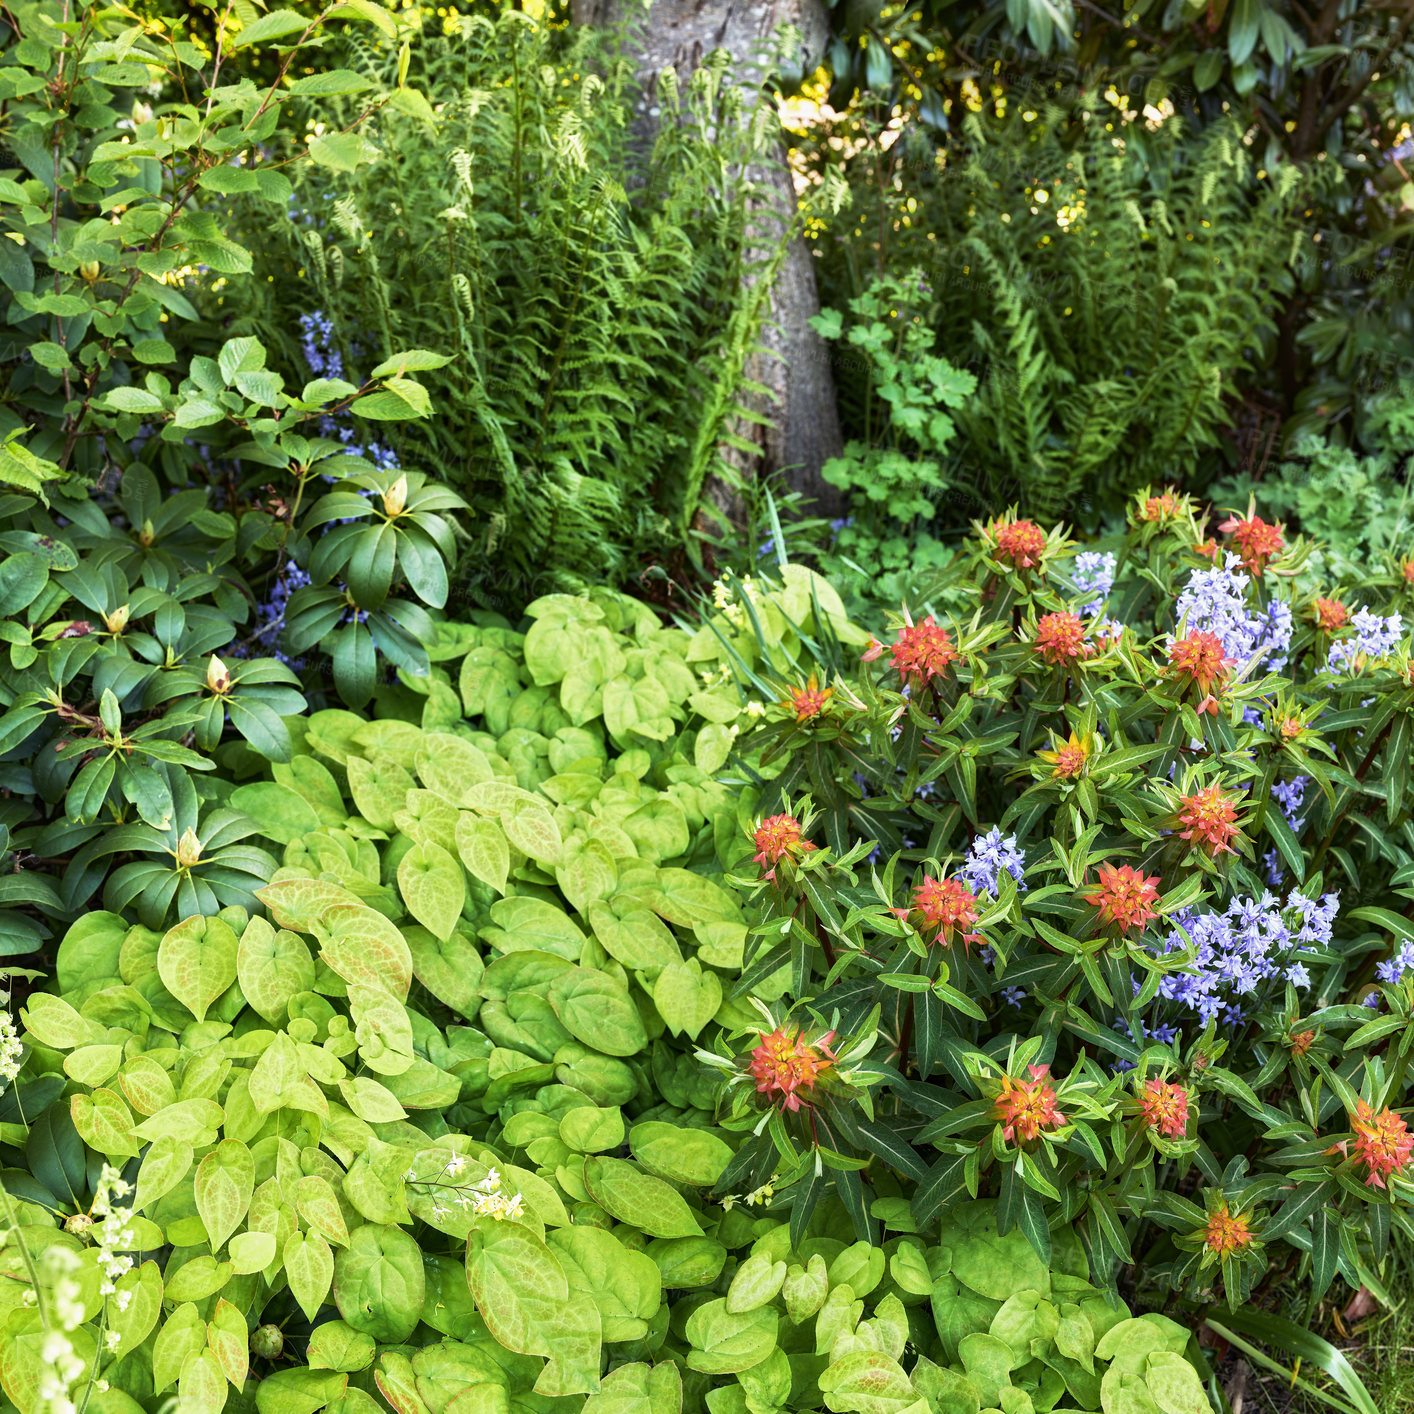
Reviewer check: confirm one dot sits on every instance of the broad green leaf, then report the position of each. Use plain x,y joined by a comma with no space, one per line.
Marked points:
482,845
598,1011
225,1180
433,887
724,1344
379,1283
197,962
309,1267
693,1156
272,967
638,1199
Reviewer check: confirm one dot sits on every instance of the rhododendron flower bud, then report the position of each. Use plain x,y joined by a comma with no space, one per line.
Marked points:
218,676
1209,820
267,1342
786,1066
777,838
1125,897
395,498
117,621
1164,1106
188,850
1382,1143
1025,1107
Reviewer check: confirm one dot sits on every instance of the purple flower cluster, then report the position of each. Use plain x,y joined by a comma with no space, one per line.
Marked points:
987,857
1374,638
1094,576
324,360
352,614
1165,1034
1391,971
1215,601
270,619
384,458
1251,942
1290,797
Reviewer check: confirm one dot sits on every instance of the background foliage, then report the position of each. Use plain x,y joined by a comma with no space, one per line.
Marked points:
596,282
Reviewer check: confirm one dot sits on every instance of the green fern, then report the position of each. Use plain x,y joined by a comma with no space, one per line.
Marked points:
1108,344
601,298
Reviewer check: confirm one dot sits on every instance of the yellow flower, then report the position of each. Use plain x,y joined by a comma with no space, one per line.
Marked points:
1069,758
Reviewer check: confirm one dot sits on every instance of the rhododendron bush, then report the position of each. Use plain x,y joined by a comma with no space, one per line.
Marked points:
1094,877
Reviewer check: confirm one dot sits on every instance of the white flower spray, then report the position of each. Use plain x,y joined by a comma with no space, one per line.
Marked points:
483,1198
57,1296
11,1051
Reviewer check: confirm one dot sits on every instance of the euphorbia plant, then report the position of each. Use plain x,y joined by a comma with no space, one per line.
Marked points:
1115,841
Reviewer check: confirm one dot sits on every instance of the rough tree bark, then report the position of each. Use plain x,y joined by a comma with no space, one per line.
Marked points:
804,431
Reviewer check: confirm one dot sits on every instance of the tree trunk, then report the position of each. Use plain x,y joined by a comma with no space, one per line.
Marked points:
804,431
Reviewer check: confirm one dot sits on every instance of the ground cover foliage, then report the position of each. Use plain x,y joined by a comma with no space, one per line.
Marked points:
429,1122
422,1007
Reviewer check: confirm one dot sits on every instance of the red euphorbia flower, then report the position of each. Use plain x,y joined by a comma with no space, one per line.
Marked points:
785,1066
923,652
1331,615
1020,541
1209,819
1060,638
1407,570
777,838
948,906
1301,1042
1165,1108
1068,758
1199,657
1125,897
1382,1142
1257,541
1157,507
809,700
1025,1107
1207,548
1228,1232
